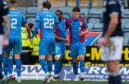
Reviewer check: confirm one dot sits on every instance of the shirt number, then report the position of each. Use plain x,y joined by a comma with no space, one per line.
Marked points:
48,23
13,23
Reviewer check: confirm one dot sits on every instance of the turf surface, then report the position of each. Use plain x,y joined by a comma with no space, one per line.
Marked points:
59,82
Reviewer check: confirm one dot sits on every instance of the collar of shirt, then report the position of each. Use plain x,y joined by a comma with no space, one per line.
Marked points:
12,10
45,9
75,19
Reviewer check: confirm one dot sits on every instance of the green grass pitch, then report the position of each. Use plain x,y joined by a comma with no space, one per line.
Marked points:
60,82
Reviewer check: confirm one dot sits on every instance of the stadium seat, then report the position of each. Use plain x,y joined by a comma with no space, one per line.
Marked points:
22,10
96,12
65,9
123,26
125,20
32,11
85,11
126,37
53,10
126,28
125,13
98,27
126,34
31,20
90,26
94,20
126,41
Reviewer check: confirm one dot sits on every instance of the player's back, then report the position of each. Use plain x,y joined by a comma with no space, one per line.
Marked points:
48,19
16,21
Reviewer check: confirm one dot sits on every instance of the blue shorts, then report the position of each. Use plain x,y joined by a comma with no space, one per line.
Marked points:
77,49
15,43
60,48
46,46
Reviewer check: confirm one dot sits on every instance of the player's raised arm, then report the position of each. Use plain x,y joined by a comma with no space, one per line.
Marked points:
37,25
5,13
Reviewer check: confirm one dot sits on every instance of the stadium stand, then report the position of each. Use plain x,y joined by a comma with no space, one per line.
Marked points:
96,12
22,10
53,9
85,11
31,11
65,9
126,27
125,13
90,26
126,38
31,20
97,27
94,20
126,41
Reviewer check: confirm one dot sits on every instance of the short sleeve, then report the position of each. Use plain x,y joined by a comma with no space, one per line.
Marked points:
5,10
113,7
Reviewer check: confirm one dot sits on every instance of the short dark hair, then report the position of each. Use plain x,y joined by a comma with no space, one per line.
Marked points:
59,11
76,9
46,4
12,1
